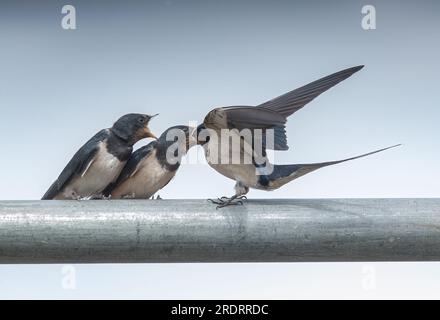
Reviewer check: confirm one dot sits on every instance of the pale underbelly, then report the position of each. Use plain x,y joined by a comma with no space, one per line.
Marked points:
94,181
144,184
243,173
243,170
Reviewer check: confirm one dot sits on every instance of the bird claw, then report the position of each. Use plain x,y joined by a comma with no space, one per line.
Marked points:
230,203
216,201
225,201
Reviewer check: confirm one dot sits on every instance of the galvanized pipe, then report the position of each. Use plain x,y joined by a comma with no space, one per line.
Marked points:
194,231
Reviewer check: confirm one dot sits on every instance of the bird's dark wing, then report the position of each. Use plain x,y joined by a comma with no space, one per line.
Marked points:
77,165
131,167
246,117
289,103
252,118
273,114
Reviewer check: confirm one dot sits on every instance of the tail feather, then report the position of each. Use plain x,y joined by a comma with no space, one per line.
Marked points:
283,174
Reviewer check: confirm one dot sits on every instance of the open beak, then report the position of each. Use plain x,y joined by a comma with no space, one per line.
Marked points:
149,134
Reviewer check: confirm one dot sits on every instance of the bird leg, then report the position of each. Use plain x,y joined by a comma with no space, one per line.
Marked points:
225,201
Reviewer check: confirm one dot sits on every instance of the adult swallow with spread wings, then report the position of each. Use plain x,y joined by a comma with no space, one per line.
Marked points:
260,173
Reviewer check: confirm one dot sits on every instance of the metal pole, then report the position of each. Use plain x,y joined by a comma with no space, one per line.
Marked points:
194,231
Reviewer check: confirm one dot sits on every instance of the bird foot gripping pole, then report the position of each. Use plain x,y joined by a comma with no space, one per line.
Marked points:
225,201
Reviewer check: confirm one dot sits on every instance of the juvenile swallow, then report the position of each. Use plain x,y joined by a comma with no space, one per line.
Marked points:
260,173
100,161
152,167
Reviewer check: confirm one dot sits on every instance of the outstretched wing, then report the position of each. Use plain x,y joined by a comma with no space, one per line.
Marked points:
289,103
252,118
78,165
131,167
259,118
273,114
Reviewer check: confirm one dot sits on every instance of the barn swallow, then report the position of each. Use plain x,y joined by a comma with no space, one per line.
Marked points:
260,173
152,167
100,161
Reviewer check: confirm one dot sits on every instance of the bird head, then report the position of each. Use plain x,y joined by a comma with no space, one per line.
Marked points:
216,119
185,136
133,127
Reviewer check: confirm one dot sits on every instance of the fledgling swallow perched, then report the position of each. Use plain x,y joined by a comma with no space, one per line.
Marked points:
260,173
100,161
152,167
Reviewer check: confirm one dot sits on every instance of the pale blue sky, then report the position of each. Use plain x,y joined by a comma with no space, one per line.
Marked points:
181,59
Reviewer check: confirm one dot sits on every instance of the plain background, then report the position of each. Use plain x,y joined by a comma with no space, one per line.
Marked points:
181,59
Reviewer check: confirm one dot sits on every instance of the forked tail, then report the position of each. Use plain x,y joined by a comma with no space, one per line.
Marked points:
283,174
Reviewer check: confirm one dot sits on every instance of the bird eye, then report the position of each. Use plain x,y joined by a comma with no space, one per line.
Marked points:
141,120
